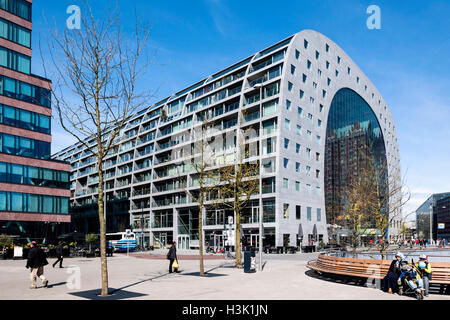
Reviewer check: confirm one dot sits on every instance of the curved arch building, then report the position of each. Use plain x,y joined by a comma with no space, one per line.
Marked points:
313,96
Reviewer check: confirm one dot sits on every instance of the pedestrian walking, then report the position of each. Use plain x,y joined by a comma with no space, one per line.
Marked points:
36,262
172,256
59,255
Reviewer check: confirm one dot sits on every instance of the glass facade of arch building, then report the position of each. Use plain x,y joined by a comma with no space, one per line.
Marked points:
283,94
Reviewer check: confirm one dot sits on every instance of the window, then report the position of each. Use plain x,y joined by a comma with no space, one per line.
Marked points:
319,73
299,112
315,85
348,70
288,105
297,148
309,134
298,212
308,170
286,143
297,167
308,64
327,47
308,213
297,54
297,186
337,73
304,78
318,191
321,108
319,214
327,65
287,124
324,93
305,44
310,117
311,100
15,33
338,60
285,163
318,140
286,210
308,152
328,81
319,122
317,156
285,183
290,85
317,55
317,174
302,93
357,79
25,92
24,119
299,130
292,69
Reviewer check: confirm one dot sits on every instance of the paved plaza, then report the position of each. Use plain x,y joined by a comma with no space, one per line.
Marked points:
144,276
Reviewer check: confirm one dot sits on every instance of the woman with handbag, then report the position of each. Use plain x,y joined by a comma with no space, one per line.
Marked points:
172,256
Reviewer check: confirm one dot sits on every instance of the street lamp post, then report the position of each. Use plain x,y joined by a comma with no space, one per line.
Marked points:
260,209
431,224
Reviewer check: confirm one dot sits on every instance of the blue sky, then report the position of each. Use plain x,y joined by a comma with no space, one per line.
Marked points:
407,59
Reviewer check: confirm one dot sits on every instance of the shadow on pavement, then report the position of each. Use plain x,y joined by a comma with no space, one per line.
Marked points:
115,294
51,285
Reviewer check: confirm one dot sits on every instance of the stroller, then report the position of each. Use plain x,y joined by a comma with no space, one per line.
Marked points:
407,281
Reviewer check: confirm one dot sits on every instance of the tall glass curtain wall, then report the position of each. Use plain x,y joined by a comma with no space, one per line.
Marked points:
352,127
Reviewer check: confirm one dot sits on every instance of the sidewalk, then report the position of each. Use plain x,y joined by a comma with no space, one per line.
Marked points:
281,279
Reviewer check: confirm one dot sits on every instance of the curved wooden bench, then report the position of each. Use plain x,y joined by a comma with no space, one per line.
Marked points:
371,268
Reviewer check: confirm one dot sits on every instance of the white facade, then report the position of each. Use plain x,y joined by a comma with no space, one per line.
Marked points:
309,54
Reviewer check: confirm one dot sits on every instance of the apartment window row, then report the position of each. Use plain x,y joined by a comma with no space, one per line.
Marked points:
35,176
19,8
15,61
33,203
298,212
15,33
24,91
24,119
308,187
22,146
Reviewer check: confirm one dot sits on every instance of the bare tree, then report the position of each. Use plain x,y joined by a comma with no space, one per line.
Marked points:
359,195
201,161
238,182
390,196
97,69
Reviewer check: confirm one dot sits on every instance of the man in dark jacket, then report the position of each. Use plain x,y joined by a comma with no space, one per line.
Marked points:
59,255
172,255
36,262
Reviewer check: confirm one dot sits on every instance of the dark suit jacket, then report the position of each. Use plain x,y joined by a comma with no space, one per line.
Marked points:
172,253
36,258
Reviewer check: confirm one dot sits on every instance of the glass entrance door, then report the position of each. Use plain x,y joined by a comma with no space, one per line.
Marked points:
254,240
163,239
183,242
218,242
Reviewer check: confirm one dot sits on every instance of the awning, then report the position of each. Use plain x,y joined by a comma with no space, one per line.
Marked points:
300,231
315,232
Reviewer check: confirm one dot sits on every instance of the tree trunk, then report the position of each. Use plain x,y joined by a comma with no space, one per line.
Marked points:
238,262
200,236
104,266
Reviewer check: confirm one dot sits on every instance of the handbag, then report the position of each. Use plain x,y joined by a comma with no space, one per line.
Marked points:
175,264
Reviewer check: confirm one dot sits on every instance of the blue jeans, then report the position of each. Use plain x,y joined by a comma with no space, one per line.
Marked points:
412,283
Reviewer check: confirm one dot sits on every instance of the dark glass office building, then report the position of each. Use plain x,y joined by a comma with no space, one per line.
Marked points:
34,190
